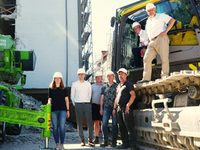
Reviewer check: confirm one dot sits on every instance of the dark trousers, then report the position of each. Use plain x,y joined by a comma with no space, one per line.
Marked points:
137,56
84,109
127,130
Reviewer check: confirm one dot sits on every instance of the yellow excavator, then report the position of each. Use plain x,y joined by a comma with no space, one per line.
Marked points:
167,111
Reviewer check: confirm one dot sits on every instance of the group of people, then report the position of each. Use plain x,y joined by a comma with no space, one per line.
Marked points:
98,102
101,101
155,39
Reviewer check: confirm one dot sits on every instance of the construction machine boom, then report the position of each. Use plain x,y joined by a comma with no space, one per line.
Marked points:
12,115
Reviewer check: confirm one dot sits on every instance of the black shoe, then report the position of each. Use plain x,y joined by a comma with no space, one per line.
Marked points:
113,144
91,143
96,141
122,146
143,81
104,144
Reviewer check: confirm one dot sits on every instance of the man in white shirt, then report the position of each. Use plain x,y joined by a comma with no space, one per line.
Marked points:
137,52
81,95
159,41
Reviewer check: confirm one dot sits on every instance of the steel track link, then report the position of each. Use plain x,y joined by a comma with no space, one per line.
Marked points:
146,145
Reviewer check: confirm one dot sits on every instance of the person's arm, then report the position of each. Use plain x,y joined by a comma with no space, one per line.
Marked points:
67,105
73,94
115,107
89,91
146,43
49,99
170,25
132,98
144,38
101,104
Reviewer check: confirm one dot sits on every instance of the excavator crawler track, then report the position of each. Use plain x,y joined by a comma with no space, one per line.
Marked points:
185,80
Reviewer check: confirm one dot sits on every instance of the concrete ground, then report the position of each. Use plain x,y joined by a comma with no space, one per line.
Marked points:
30,139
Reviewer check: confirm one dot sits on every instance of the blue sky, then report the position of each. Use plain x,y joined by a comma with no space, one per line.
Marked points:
102,11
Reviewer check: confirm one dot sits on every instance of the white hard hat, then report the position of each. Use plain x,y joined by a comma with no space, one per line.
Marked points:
135,24
110,73
98,74
150,6
81,71
122,70
57,75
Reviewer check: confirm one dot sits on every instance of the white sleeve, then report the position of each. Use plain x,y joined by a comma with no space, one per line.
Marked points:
144,38
89,91
166,18
147,28
146,43
73,94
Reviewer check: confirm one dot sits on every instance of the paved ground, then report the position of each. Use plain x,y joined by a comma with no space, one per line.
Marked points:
29,139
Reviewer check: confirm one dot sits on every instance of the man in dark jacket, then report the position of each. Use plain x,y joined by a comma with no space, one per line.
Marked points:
123,105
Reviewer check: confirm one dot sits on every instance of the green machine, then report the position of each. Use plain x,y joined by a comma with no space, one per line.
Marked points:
13,62
12,115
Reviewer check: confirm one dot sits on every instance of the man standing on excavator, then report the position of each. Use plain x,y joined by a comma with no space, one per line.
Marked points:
159,41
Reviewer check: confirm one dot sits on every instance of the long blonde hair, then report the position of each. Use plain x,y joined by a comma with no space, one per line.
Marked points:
53,84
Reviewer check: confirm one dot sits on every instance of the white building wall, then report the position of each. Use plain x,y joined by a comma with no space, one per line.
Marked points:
73,40
41,25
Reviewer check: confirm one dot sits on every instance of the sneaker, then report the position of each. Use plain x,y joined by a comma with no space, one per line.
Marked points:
104,144
90,143
96,141
143,81
83,143
57,147
62,147
164,76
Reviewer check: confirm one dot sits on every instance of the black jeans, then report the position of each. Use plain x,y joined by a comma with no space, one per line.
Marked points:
126,125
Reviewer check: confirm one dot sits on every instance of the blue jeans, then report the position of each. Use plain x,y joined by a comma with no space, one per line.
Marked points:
58,119
107,112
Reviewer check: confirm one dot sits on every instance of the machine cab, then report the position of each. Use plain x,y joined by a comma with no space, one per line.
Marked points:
184,36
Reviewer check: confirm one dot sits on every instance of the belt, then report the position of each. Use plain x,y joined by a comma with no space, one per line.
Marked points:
154,38
84,103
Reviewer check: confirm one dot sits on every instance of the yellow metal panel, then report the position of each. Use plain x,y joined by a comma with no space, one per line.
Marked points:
49,121
184,38
190,38
137,6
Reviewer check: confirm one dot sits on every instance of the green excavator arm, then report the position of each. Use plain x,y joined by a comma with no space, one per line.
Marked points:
33,118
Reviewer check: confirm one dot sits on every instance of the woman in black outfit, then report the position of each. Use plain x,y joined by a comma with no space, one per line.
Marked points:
58,99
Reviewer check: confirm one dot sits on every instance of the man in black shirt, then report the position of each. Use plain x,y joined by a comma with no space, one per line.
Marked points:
123,104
